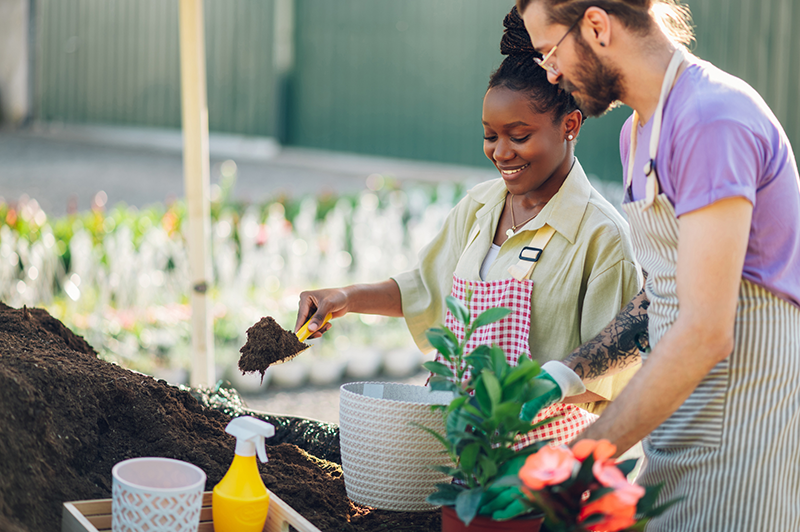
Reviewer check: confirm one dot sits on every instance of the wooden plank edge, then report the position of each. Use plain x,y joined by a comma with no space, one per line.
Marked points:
84,516
285,515
72,520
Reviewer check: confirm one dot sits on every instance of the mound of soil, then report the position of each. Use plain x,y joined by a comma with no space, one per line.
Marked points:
67,417
268,343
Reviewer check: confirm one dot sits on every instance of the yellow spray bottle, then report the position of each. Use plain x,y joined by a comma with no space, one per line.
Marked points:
240,501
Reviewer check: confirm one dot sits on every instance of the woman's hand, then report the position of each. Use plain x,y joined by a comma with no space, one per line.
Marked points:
316,304
374,298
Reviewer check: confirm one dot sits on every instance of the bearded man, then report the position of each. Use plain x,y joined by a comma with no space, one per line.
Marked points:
713,199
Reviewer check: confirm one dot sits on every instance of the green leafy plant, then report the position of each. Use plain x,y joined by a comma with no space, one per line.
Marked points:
487,414
577,489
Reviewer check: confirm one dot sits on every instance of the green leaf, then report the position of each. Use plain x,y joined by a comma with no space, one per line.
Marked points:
542,386
490,316
645,506
456,423
440,384
445,494
482,395
499,361
447,470
438,368
508,410
514,392
638,526
479,358
488,466
627,466
507,481
649,498
467,504
444,341
492,387
658,510
457,403
458,310
593,519
585,474
512,467
470,409
525,370
469,456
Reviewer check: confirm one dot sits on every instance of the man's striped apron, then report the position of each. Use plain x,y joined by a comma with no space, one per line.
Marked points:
732,450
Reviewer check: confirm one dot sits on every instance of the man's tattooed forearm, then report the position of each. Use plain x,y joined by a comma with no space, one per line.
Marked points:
617,346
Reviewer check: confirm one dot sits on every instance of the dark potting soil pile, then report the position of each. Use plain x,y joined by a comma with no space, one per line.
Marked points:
66,417
268,343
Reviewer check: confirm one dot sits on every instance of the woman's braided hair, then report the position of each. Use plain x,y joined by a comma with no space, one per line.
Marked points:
519,72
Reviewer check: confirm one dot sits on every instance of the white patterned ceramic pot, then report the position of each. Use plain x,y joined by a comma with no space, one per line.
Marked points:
151,494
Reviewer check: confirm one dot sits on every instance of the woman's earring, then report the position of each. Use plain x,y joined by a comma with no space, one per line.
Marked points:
570,136
602,43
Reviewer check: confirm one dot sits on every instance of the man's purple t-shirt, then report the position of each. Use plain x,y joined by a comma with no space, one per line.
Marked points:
719,139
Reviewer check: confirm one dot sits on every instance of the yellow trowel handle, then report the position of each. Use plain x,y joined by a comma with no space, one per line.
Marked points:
303,333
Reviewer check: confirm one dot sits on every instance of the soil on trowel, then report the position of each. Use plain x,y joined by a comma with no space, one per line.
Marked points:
268,343
66,417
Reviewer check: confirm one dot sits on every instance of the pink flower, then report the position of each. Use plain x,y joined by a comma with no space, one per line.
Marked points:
618,508
547,467
608,474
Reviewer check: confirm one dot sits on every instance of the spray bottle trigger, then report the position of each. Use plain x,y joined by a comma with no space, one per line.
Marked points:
260,450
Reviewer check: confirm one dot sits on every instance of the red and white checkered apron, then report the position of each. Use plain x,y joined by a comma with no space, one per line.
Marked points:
511,335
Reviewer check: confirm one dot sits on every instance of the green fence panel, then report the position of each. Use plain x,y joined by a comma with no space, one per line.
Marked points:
401,79
406,79
756,40
380,77
117,62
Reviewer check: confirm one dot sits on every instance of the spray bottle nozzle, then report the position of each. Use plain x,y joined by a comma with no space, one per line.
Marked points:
250,433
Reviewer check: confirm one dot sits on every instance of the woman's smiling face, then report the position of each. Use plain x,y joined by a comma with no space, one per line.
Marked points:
526,146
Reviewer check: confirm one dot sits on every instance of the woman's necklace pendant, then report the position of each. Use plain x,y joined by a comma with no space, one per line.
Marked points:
510,233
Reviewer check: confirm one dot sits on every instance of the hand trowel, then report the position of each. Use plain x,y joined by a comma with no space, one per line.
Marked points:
268,344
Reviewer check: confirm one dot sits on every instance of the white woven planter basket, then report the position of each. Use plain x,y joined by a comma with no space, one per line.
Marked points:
386,461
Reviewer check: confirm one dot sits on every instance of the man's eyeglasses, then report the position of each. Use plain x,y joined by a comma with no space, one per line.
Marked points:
543,61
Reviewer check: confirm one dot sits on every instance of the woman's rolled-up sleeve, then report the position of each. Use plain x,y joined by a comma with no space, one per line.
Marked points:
424,288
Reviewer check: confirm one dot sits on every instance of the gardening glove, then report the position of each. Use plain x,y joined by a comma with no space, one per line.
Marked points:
567,383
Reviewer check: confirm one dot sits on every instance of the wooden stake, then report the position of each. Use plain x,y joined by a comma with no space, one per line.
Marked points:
196,177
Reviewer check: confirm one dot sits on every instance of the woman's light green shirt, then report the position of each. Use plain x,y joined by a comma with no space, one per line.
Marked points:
585,275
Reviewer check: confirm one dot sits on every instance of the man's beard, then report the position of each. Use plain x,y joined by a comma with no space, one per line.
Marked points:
600,85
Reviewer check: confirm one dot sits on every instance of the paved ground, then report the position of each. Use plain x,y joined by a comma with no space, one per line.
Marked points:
59,165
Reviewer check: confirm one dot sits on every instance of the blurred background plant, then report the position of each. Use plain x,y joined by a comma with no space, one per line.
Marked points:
119,276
